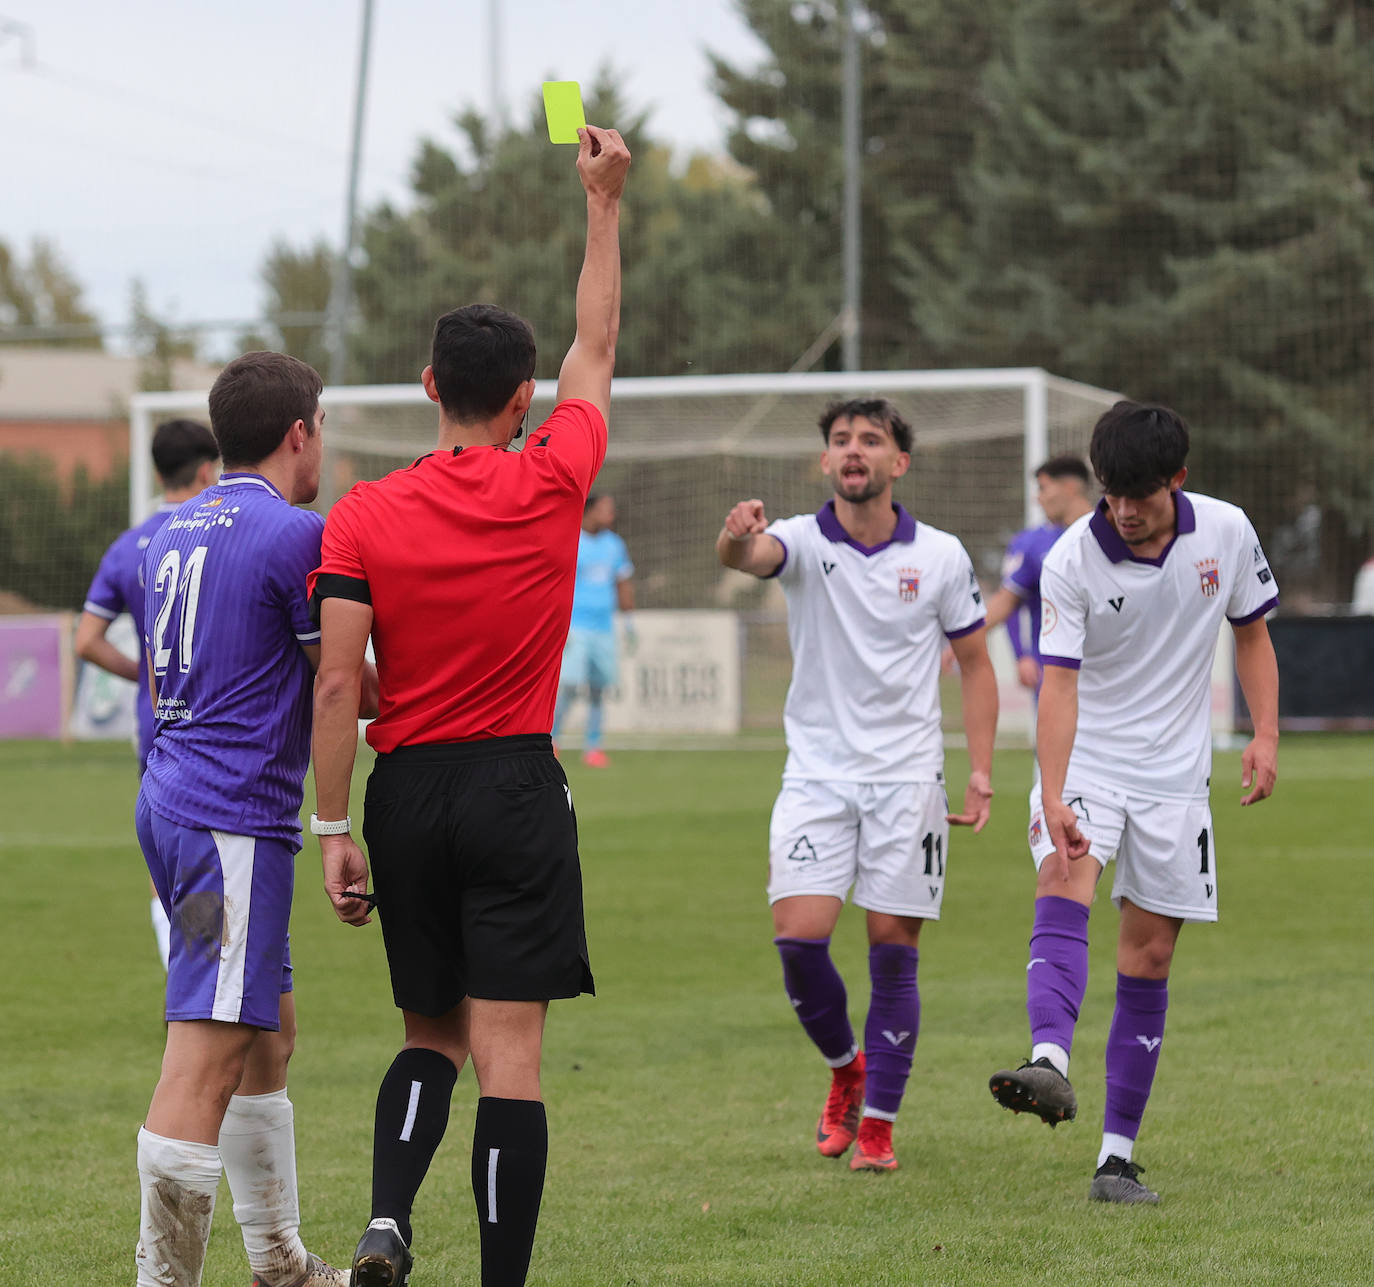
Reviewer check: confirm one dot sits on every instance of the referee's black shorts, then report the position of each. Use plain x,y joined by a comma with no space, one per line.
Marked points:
473,849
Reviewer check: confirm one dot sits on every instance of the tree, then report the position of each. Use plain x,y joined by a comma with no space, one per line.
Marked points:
920,61
157,343
298,285
1174,201
710,280
42,292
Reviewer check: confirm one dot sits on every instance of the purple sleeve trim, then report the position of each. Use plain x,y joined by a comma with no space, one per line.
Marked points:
1068,663
1256,615
966,630
777,571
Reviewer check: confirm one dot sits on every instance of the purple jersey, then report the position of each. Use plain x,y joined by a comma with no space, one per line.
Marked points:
225,620
118,587
1021,575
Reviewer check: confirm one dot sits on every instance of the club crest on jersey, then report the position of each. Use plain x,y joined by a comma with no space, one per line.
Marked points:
908,584
212,504
1210,573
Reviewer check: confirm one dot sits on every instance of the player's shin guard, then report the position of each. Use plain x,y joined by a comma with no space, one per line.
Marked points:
510,1149
894,1018
817,994
412,1115
178,1180
257,1143
1057,975
1133,1046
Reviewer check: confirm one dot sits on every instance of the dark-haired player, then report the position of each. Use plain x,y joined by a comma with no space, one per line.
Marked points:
1133,598
872,595
232,651
186,458
1062,490
461,568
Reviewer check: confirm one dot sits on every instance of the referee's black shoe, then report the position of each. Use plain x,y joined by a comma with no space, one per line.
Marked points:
1038,1088
382,1258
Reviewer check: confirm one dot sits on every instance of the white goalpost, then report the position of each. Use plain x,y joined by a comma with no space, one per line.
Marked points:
711,658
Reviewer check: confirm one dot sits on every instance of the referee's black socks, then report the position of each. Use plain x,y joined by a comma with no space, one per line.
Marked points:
412,1114
510,1147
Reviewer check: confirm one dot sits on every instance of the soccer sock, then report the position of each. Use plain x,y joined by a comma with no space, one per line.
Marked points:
894,1018
412,1115
817,994
1056,977
593,734
178,1180
1132,1056
162,931
510,1148
257,1143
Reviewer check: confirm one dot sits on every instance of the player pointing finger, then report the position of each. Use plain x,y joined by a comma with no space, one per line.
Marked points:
872,597
746,519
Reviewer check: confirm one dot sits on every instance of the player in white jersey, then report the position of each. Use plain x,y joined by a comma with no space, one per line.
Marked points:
872,595
1133,597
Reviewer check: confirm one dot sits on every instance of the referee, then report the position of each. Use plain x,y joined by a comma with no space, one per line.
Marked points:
461,568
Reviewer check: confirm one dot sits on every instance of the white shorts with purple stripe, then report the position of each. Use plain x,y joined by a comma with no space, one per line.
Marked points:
229,901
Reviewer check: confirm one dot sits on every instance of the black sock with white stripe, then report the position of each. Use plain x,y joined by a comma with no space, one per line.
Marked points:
412,1115
510,1147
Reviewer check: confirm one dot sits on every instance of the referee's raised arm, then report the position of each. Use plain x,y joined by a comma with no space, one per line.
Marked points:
603,161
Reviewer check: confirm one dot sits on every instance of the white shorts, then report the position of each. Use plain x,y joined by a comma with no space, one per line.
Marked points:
1166,860
886,839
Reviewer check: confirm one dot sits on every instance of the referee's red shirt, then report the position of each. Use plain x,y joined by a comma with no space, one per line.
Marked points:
468,560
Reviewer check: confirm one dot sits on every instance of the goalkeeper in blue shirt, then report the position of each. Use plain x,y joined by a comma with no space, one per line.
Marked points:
603,588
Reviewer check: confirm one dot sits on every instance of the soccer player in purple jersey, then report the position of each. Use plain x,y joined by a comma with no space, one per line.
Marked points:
232,652
1062,487
186,458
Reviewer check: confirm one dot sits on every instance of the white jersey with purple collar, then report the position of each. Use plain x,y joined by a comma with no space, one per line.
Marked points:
225,619
1142,632
867,627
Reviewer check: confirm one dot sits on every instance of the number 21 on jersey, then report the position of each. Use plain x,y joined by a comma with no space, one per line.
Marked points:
178,589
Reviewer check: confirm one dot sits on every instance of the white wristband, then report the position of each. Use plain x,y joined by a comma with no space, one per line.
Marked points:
340,828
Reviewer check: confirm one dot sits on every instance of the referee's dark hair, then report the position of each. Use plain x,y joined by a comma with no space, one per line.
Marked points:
256,399
877,410
1066,467
480,356
180,448
1137,447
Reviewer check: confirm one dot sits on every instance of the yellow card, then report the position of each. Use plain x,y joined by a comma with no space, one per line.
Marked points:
563,109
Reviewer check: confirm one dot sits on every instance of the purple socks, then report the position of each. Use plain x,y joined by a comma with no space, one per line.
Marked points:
1133,1051
894,1018
1057,975
817,994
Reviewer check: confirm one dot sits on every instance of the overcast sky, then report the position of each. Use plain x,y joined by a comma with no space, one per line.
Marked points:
173,142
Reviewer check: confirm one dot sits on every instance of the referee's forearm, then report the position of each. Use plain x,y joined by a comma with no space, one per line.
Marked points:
335,743
598,286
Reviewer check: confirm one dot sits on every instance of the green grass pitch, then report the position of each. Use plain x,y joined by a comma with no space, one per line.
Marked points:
682,1099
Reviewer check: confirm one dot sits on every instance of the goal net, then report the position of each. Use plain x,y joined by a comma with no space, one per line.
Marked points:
711,653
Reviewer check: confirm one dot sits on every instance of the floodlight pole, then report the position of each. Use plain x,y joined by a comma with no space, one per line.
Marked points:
341,291
23,33
851,132
498,98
